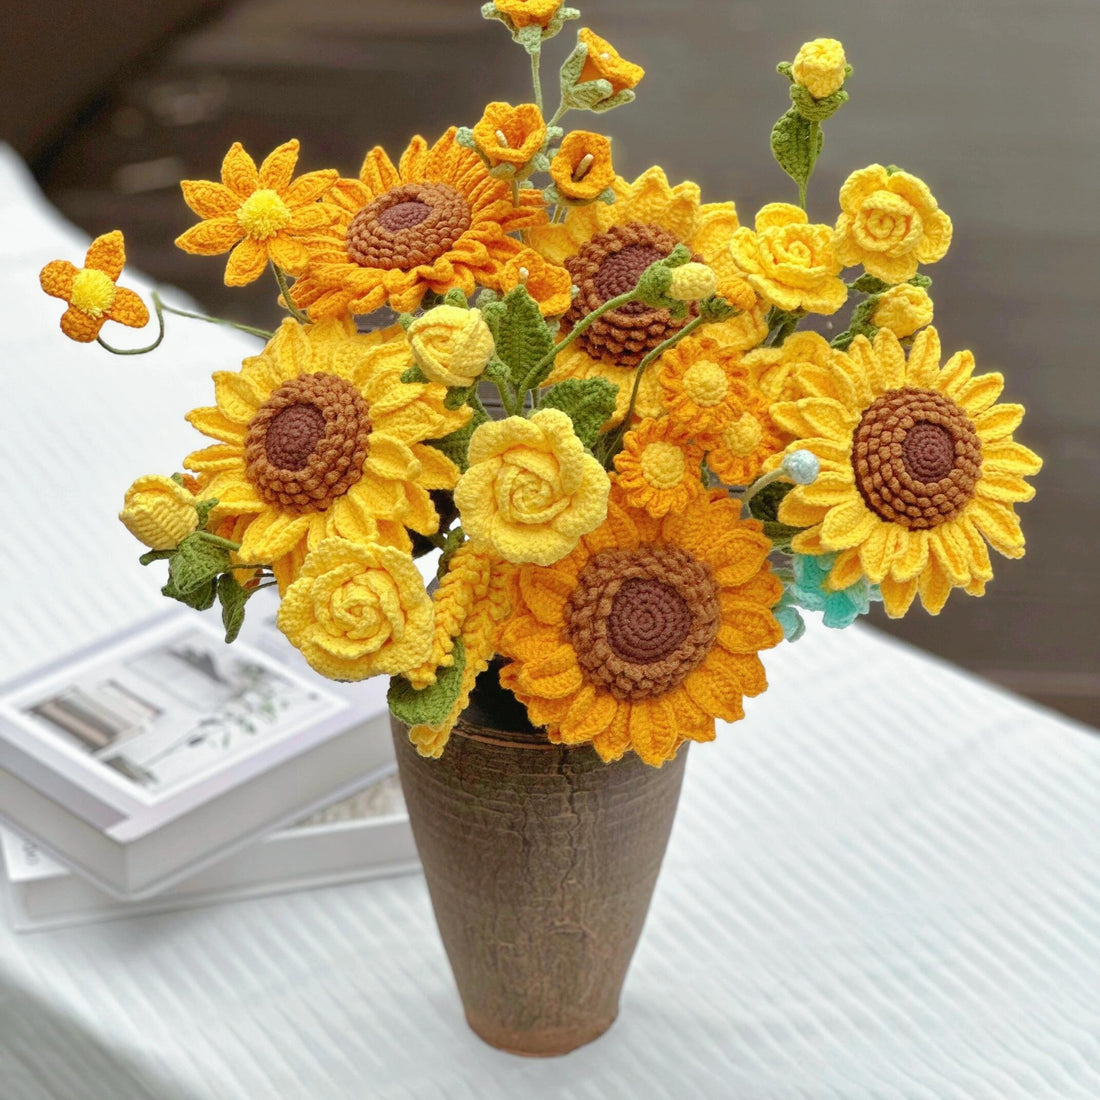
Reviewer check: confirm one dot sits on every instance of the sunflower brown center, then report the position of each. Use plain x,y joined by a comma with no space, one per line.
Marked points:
641,620
409,225
916,457
307,444
608,265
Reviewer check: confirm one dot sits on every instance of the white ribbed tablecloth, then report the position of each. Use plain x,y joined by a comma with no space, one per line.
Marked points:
882,884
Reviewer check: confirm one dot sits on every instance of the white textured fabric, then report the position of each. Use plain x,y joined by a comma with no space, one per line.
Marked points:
883,884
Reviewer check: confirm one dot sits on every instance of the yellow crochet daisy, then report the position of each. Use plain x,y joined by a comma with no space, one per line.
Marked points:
262,214
320,437
647,632
607,247
436,222
918,467
702,383
659,468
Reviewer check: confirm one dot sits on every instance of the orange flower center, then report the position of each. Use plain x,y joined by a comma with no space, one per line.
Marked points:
641,620
307,444
407,226
916,458
263,214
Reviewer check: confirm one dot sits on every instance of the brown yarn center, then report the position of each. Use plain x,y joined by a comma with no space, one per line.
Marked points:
641,620
608,265
409,225
292,435
916,457
307,444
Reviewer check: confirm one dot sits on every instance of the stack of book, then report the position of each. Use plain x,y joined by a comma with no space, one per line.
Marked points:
162,768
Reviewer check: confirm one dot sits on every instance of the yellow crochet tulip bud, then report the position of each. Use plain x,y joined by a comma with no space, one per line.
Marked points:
159,512
903,309
531,490
692,281
820,67
451,345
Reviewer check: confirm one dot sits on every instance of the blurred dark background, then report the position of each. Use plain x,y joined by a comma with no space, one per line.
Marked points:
995,103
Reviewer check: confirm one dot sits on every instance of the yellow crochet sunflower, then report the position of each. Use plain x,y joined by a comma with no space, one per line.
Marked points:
436,222
647,632
318,436
607,247
918,469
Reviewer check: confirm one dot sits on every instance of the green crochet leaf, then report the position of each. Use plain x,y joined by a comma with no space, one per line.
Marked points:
151,556
765,505
870,284
195,564
413,374
589,402
204,508
521,335
233,597
200,598
792,141
432,704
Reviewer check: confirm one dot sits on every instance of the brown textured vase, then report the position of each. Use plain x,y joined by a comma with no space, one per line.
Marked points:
541,862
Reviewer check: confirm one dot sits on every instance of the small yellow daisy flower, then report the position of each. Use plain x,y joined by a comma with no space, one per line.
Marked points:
699,380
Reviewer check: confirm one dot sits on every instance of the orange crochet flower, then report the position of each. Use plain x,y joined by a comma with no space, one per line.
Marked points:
702,385
604,63
529,13
551,286
582,168
738,452
91,292
261,214
658,467
510,135
647,632
438,221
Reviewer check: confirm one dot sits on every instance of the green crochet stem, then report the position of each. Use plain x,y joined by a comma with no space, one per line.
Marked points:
613,440
161,309
284,286
536,79
581,327
761,482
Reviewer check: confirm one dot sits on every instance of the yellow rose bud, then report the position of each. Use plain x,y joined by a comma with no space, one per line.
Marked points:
159,512
358,609
819,66
903,309
451,345
692,281
531,490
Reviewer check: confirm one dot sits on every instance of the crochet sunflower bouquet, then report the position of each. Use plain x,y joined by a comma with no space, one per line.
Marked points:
608,404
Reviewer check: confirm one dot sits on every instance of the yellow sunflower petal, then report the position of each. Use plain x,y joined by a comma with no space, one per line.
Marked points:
653,729
209,199
897,596
999,524
1010,458
951,553
239,171
716,688
979,393
1007,487
847,525
546,592
246,263
934,586
278,166
272,534
998,422
748,629
211,237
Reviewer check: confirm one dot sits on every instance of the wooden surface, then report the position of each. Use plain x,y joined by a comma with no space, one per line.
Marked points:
995,103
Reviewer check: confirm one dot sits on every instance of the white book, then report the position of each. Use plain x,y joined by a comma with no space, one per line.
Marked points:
363,837
144,759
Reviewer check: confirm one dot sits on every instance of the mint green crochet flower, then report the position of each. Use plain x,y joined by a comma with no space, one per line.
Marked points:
808,591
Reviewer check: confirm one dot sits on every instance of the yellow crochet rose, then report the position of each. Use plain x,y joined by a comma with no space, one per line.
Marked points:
510,135
903,309
890,224
531,490
529,13
789,262
451,345
159,512
820,67
358,609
